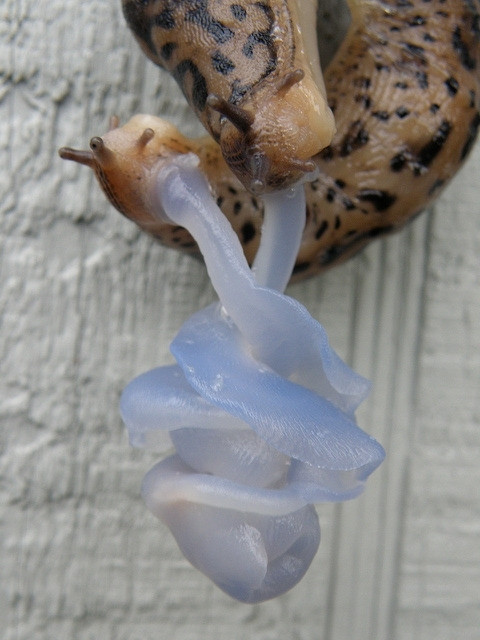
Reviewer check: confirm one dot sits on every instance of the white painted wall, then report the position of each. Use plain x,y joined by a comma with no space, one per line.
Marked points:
87,303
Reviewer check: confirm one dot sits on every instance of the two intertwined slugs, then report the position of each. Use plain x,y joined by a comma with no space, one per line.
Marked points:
404,88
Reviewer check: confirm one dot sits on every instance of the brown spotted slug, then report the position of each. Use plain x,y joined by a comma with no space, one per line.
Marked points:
404,88
246,71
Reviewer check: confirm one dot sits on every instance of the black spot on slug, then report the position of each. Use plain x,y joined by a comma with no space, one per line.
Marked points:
139,23
265,8
238,91
254,39
380,199
381,115
355,138
321,229
199,84
402,112
472,135
452,85
476,25
165,20
238,12
264,38
301,267
200,15
380,231
417,52
334,253
347,204
422,79
362,82
221,63
429,152
248,232
398,162
167,50
462,49
366,100
417,21
327,154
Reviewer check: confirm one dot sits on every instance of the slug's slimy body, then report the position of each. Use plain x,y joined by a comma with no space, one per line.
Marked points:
405,91
245,71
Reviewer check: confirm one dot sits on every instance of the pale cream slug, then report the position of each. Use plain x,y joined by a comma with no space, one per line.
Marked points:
404,87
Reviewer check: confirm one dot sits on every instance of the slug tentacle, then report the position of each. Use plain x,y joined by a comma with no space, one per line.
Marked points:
240,118
102,154
145,137
113,123
287,82
77,155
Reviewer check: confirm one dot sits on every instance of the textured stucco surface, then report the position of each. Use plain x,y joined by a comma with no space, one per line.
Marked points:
87,303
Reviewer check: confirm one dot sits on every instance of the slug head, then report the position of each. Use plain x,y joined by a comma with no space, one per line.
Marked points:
270,145
125,161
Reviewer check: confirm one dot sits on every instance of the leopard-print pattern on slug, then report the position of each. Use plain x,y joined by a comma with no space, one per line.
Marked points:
235,62
212,47
405,89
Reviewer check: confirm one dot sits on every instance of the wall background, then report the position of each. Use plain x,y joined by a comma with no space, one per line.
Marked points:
87,303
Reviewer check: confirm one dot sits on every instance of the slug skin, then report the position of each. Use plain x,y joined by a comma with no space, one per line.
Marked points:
405,90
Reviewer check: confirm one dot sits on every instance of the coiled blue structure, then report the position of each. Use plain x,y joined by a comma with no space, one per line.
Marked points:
259,407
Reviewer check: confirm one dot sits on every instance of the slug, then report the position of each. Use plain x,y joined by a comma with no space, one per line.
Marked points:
404,87
245,70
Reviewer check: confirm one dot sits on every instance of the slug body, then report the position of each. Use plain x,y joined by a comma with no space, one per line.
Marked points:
245,71
405,90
